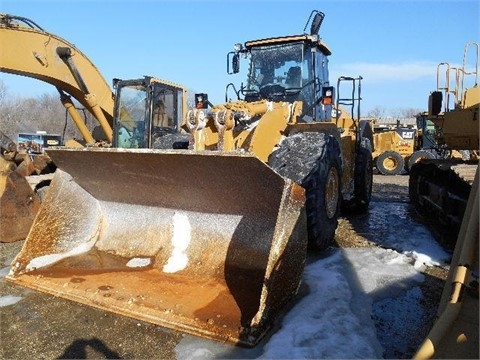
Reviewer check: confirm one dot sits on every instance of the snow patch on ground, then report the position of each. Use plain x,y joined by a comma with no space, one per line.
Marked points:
351,293
8,300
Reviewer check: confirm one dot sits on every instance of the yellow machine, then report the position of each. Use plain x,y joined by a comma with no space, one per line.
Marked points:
31,51
393,148
448,189
205,228
455,332
441,187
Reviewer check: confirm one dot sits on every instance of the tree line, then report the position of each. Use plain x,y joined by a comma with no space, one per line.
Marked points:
44,112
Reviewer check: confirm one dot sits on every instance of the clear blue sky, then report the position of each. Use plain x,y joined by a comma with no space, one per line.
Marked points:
394,45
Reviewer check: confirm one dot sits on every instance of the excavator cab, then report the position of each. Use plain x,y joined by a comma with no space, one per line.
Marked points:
147,110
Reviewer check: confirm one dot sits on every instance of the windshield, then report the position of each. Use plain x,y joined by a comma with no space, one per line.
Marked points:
277,65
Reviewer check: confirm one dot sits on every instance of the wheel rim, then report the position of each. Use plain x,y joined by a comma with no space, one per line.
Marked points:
331,193
390,163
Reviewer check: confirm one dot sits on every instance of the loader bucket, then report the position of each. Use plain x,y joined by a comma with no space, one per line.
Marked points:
208,243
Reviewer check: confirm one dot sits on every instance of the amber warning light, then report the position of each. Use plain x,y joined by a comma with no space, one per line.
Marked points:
327,95
201,101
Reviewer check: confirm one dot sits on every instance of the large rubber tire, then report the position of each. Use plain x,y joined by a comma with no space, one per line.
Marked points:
363,179
313,160
390,163
416,172
419,155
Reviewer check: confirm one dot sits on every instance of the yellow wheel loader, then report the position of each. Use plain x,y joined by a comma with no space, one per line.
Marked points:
393,149
202,225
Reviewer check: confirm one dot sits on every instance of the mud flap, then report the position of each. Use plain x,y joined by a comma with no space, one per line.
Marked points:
208,243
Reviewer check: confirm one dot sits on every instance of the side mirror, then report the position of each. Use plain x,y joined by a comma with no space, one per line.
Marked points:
233,58
435,103
316,23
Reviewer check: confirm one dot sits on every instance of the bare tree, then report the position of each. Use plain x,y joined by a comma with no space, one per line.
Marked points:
378,112
3,91
42,113
410,112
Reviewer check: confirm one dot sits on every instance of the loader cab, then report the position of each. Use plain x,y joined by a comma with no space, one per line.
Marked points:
293,68
145,110
427,132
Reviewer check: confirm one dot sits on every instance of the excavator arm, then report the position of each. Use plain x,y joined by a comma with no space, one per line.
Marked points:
30,51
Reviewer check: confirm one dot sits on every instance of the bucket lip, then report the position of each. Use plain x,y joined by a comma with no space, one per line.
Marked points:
235,153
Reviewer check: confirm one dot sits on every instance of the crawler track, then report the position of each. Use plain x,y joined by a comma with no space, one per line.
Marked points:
439,189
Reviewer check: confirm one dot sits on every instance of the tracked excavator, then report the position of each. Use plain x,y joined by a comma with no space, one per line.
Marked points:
29,50
204,227
440,187
449,189
454,334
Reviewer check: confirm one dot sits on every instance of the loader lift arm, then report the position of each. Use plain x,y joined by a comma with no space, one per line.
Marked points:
32,52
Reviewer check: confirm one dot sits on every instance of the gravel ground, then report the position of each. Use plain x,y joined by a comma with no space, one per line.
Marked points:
46,327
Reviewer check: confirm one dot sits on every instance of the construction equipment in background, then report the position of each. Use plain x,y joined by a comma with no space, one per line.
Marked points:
49,58
454,334
398,147
31,51
211,239
36,143
440,187
149,113
393,148
426,146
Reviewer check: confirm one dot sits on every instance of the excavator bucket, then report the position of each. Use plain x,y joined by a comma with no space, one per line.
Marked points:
18,206
208,243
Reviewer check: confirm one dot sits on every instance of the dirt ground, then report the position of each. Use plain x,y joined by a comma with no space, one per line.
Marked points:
43,326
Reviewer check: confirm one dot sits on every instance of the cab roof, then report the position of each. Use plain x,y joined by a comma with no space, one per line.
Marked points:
313,39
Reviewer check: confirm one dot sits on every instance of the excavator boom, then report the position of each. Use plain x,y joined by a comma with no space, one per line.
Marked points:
30,51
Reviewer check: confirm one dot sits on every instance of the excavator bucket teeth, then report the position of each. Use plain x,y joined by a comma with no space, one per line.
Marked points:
208,243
